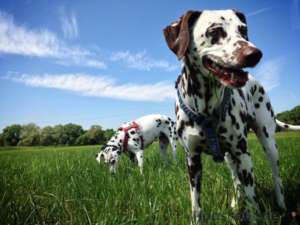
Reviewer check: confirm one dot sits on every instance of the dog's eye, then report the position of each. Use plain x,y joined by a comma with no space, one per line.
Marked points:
243,31
215,34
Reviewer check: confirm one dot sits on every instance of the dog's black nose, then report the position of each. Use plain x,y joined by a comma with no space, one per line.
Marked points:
113,161
249,56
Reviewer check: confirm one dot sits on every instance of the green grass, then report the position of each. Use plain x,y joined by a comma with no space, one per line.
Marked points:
65,185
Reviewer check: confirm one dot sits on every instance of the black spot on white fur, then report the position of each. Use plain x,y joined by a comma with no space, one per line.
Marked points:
265,132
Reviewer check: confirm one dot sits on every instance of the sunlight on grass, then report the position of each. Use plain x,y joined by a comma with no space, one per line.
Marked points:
65,185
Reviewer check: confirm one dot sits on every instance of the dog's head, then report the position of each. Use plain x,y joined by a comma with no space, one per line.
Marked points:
109,154
216,43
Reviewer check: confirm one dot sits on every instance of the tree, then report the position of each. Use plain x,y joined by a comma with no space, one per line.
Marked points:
108,133
68,134
95,135
47,136
83,139
30,135
59,137
292,116
72,132
1,140
12,135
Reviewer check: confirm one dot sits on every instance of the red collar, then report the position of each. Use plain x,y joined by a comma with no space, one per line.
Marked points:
132,125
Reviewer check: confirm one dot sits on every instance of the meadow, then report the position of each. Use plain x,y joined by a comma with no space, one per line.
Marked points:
65,185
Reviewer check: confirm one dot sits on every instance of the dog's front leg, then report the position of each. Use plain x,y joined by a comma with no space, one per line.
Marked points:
243,178
195,172
132,157
140,158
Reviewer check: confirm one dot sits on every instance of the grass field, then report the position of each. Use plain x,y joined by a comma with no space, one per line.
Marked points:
65,185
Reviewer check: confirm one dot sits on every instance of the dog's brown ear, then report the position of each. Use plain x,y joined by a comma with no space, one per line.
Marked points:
177,34
240,15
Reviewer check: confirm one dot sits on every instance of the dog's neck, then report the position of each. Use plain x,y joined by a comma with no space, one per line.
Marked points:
202,94
117,139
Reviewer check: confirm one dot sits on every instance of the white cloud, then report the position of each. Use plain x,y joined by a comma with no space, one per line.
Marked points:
69,25
141,61
268,73
19,40
82,61
259,11
98,86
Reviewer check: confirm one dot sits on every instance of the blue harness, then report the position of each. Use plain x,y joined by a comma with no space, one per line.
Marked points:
209,124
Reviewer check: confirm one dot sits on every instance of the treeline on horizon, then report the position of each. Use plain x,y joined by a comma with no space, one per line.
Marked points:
291,116
72,134
59,135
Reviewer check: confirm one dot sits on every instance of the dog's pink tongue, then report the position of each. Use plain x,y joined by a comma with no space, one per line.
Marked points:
233,77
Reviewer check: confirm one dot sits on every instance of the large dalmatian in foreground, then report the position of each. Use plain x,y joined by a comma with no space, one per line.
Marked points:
214,49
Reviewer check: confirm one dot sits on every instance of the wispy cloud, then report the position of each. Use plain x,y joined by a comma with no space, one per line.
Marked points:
69,24
98,86
295,14
82,61
20,40
141,61
259,11
269,72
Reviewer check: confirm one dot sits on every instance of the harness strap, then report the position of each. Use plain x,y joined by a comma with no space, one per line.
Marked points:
208,124
133,125
225,102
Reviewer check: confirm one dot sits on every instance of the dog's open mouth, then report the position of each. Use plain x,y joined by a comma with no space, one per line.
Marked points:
230,76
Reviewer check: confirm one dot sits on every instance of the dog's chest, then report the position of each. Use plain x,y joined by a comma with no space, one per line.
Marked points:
231,127
234,126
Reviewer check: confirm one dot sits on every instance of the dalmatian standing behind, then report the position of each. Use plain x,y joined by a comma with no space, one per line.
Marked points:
133,137
218,102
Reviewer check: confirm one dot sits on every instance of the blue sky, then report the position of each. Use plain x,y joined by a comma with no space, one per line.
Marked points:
106,62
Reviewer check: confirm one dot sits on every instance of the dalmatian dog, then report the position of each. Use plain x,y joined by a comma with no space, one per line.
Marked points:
214,48
133,137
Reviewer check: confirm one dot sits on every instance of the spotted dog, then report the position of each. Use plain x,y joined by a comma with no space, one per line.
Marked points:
214,49
133,137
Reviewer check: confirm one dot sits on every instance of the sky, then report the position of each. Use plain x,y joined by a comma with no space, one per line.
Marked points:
106,62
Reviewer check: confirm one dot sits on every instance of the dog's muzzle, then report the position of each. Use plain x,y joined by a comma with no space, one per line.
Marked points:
248,56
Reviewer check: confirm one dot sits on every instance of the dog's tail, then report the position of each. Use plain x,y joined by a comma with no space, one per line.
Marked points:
286,126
